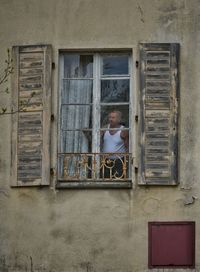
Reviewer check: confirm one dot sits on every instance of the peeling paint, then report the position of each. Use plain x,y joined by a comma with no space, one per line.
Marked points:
4,192
141,13
190,200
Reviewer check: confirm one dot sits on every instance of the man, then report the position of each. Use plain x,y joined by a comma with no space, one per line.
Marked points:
114,140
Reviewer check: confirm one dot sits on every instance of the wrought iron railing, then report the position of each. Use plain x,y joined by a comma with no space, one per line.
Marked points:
94,166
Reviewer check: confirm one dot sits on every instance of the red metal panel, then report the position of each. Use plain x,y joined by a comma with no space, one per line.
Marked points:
171,244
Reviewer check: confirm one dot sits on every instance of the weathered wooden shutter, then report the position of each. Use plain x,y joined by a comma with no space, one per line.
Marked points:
159,113
31,98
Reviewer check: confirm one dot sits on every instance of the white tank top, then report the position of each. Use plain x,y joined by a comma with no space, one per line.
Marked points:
113,143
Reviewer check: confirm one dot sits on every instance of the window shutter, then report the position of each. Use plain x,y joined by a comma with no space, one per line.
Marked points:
31,104
159,108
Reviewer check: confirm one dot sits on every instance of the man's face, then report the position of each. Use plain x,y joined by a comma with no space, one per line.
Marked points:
113,119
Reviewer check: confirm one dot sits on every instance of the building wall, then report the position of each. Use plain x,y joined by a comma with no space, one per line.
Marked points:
43,229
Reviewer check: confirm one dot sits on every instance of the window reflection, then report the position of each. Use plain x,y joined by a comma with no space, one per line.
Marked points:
78,66
115,91
115,65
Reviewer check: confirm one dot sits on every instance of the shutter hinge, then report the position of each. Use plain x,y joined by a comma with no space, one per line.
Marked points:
136,118
52,117
136,170
137,64
53,65
132,159
52,171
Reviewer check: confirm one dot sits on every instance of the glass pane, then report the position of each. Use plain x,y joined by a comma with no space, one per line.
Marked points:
78,66
121,116
76,117
115,65
115,90
76,141
77,92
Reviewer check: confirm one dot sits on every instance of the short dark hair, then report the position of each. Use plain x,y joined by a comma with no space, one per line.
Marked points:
118,113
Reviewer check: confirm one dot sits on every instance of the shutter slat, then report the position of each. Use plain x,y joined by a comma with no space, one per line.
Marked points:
31,124
32,65
159,93
30,72
31,79
30,86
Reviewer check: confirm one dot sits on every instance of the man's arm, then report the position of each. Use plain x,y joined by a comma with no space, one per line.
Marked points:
125,136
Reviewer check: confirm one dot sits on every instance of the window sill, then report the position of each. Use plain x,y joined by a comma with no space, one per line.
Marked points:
94,184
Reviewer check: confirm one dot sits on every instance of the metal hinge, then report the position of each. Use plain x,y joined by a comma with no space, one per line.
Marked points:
53,65
137,64
52,117
52,171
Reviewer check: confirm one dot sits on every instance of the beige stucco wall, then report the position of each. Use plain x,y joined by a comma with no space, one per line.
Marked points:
98,230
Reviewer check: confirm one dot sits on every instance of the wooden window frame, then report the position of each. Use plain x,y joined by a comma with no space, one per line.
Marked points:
97,77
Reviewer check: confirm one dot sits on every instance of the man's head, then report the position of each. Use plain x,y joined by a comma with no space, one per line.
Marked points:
114,118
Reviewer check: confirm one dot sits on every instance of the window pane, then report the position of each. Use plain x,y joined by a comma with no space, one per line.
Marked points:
76,141
123,111
77,92
114,90
115,65
76,117
78,66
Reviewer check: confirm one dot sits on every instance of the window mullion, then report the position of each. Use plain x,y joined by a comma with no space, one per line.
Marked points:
60,103
96,106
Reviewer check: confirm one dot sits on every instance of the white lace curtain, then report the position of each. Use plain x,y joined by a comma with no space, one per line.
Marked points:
76,115
76,109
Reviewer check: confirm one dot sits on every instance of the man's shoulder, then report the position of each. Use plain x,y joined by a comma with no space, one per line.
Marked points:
124,133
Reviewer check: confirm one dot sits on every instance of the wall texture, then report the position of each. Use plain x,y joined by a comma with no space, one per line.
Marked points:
44,230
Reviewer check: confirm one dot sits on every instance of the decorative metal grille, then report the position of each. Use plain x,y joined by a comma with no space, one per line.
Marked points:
94,166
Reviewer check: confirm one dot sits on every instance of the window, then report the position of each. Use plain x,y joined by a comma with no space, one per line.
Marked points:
94,89
171,244
93,86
